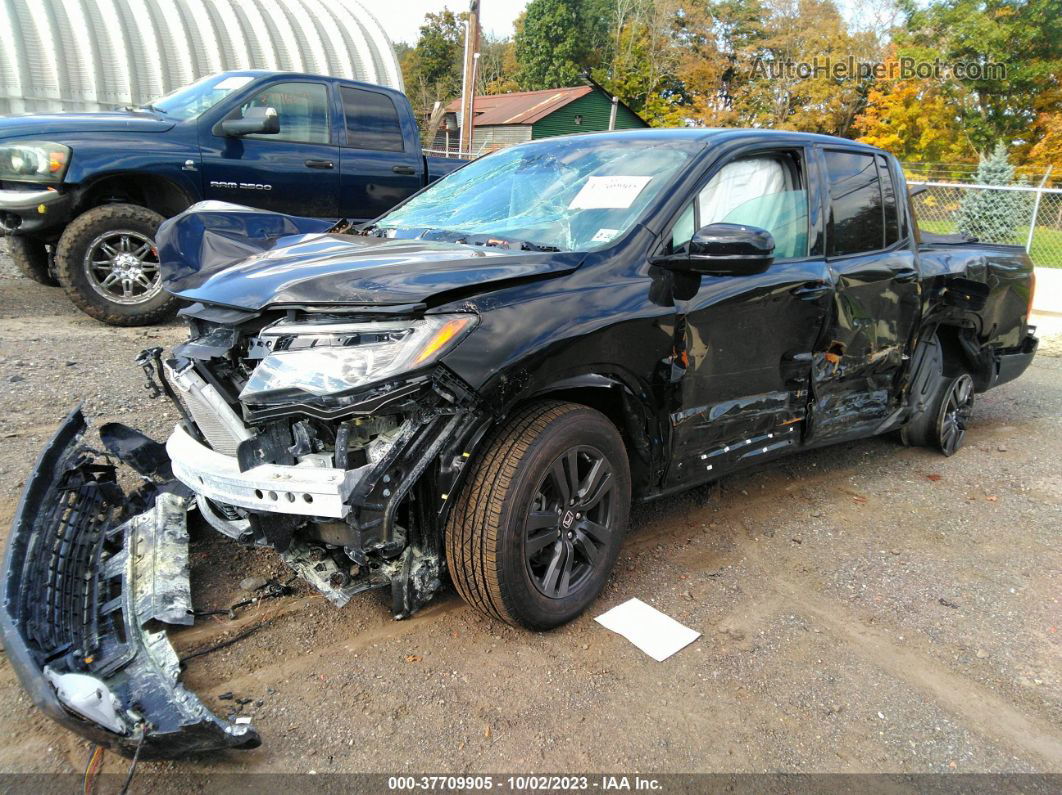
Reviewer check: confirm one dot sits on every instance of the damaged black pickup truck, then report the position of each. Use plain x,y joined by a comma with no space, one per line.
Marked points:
478,383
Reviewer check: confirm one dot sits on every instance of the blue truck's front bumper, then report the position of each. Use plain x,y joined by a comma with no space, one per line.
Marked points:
33,210
87,589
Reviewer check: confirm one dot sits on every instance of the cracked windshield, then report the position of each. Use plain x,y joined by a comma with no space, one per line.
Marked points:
576,195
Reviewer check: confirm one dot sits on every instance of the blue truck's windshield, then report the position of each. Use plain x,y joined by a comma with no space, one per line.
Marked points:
572,194
192,100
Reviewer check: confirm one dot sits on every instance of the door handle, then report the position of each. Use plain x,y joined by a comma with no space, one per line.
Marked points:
408,170
320,164
905,274
812,291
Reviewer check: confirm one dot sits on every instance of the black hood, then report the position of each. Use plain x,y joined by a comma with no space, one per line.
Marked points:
258,260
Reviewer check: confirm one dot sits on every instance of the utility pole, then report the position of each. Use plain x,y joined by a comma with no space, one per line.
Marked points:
468,88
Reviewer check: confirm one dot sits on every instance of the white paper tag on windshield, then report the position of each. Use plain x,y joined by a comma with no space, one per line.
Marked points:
234,82
604,235
608,193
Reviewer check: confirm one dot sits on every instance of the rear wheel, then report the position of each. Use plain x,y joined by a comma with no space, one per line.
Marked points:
109,266
32,260
947,399
953,414
537,529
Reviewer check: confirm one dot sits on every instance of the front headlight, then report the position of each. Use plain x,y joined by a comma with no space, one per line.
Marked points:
34,161
328,359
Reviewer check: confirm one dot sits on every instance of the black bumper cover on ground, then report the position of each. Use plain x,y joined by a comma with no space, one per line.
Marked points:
91,576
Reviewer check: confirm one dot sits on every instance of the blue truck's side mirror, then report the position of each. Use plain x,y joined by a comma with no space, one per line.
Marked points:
256,121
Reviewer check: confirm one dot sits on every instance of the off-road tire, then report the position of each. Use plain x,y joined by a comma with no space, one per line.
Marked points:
69,263
485,533
32,260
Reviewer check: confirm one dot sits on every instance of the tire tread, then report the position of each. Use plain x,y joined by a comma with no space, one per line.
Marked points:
475,521
68,266
31,260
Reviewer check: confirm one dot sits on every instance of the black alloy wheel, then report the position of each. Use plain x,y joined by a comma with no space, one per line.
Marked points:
537,527
955,409
570,523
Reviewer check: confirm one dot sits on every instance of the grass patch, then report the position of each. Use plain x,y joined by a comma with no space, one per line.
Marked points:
1046,248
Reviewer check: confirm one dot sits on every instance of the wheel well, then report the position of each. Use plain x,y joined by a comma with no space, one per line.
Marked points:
952,350
155,193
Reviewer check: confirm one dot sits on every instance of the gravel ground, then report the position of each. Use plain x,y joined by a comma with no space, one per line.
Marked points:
864,608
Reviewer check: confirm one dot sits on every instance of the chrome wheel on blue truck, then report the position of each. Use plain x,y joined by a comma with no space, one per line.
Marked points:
109,265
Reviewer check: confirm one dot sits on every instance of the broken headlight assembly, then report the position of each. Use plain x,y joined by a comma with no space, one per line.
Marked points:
325,359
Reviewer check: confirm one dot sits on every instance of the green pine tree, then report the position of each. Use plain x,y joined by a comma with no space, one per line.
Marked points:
993,216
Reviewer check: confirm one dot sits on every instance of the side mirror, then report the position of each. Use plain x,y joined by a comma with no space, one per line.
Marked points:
257,121
725,250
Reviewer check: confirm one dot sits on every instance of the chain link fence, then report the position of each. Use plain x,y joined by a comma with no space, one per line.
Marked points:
1025,215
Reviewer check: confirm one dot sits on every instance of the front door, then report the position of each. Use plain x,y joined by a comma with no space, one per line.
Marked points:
749,339
295,171
877,299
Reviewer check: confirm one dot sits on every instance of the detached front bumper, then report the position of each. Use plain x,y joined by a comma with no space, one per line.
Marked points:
32,211
91,575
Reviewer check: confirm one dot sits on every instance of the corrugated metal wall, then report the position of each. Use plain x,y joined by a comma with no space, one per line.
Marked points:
104,54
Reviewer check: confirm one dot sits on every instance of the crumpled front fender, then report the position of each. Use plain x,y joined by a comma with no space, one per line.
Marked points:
91,577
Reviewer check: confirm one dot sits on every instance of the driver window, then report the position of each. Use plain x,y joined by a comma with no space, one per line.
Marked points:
302,109
762,191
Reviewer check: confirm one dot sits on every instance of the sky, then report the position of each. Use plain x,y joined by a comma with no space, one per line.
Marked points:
402,18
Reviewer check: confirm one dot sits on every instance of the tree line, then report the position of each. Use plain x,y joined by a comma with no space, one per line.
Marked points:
887,75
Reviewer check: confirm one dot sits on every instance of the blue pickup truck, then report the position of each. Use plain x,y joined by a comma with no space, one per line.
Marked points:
82,194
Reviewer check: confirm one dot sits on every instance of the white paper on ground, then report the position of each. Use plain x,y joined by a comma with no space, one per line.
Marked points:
656,634
608,193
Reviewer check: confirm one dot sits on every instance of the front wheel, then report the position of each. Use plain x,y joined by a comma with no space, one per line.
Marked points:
537,528
109,266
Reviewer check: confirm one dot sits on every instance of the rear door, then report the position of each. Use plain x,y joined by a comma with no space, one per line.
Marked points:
877,299
376,170
295,171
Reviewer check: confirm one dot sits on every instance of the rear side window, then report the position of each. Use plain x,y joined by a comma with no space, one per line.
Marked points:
372,121
857,221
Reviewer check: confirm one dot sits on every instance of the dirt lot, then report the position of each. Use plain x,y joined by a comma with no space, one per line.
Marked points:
863,608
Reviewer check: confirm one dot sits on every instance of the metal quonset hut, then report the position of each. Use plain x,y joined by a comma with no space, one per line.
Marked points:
84,55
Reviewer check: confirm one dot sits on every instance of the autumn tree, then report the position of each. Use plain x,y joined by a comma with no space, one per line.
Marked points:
1024,36
1047,151
812,96
432,69
639,62
497,66
914,119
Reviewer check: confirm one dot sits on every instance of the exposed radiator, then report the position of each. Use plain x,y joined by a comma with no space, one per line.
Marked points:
218,423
